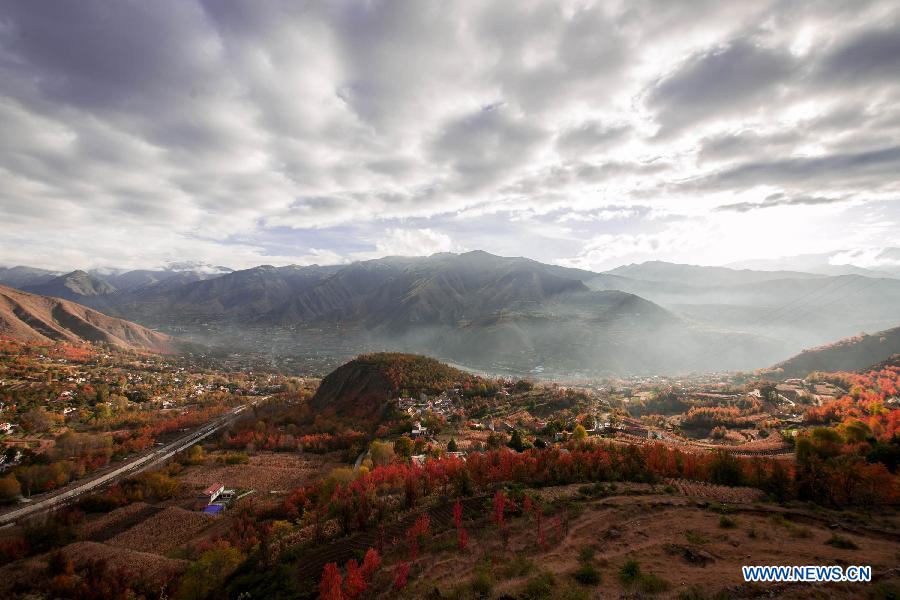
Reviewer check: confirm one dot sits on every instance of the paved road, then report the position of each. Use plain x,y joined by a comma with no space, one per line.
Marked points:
136,465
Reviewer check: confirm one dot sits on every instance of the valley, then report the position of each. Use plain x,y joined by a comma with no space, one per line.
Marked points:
450,484
507,316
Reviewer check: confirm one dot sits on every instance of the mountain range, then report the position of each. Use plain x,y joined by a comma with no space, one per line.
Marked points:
498,313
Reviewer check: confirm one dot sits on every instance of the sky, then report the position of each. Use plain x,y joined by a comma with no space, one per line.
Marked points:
587,134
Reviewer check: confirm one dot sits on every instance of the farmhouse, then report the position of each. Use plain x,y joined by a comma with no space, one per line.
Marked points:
212,492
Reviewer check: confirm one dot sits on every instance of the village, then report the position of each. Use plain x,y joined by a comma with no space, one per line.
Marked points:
730,412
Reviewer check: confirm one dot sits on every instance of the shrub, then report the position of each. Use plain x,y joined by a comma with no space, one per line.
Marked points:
99,503
631,574
726,522
652,584
482,582
587,574
841,542
9,489
695,537
794,530
237,458
539,587
519,566
630,571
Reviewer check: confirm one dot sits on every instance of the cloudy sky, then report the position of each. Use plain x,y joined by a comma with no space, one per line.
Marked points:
137,133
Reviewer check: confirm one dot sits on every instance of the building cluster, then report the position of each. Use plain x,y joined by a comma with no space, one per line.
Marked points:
441,405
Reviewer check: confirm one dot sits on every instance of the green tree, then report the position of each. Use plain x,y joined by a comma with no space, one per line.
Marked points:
211,569
580,433
196,455
382,453
516,442
452,446
495,440
403,446
9,489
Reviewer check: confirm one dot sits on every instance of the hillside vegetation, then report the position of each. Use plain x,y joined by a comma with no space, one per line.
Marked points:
850,354
359,390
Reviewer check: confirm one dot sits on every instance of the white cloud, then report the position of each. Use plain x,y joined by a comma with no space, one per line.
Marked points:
411,242
196,125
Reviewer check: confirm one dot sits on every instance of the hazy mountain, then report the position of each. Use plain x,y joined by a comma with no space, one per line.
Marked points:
701,276
851,354
130,280
513,314
443,289
507,314
802,310
30,317
880,263
19,277
145,278
245,294
77,285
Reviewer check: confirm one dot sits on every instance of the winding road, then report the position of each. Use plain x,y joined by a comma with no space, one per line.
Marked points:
140,463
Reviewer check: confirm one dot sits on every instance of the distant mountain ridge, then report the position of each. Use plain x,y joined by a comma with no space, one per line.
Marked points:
30,317
703,276
20,276
72,286
849,354
509,314
884,262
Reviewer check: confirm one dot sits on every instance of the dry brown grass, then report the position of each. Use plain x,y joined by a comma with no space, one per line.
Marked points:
670,536
147,566
719,493
163,532
99,524
266,472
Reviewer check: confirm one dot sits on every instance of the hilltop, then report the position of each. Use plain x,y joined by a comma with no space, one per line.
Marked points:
359,390
30,317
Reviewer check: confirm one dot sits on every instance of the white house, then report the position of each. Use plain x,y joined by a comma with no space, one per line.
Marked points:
212,492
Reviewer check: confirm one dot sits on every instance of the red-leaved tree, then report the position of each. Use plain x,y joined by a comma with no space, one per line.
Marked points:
462,539
330,584
401,572
354,583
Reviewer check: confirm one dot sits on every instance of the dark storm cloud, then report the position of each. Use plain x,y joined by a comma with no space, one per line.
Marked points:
726,146
719,82
872,169
873,55
485,146
779,199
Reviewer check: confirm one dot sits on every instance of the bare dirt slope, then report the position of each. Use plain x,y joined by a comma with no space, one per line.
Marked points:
30,317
